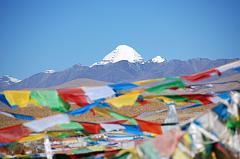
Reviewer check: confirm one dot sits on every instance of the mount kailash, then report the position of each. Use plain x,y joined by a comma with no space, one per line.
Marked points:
120,65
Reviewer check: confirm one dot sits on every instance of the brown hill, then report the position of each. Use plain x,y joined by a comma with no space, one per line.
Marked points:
79,83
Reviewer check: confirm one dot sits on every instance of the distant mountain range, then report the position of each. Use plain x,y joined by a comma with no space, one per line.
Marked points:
121,65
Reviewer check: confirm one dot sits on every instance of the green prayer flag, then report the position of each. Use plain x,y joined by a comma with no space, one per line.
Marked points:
50,98
157,89
178,98
122,117
233,125
64,135
72,125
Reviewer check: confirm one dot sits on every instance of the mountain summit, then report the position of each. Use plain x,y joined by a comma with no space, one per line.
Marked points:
7,80
122,52
157,59
123,64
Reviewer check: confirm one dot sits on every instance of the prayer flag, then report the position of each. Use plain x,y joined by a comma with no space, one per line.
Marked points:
149,126
19,98
50,98
73,95
13,133
99,92
125,100
157,89
91,128
43,124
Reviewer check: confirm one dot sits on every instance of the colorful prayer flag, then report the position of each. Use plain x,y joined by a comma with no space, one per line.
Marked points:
13,133
99,92
42,124
73,95
50,98
125,100
19,98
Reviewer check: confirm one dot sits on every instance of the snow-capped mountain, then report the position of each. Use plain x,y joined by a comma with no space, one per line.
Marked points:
120,53
7,80
49,71
123,64
157,59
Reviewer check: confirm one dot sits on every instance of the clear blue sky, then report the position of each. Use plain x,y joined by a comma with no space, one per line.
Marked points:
36,35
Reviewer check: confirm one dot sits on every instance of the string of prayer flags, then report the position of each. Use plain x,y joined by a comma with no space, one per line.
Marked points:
17,116
123,117
132,129
91,127
111,127
202,75
83,110
187,98
110,113
211,72
115,122
73,95
42,124
195,98
99,92
72,125
149,126
19,98
4,101
50,98
144,82
33,137
124,100
189,106
226,67
13,133
123,86
158,89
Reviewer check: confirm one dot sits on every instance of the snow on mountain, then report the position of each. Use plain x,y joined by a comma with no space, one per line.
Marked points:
9,79
6,81
49,71
122,52
122,71
158,59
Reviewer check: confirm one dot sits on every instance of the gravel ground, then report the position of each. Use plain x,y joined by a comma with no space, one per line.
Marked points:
183,115
40,112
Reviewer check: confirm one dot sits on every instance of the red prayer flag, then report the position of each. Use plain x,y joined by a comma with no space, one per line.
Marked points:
201,75
203,98
115,122
150,126
75,95
13,133
143,102
91,127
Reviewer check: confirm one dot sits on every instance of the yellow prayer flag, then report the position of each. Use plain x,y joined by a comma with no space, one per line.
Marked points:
102,111
19,98
165,99
34,102
124,100
143,82
32,138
